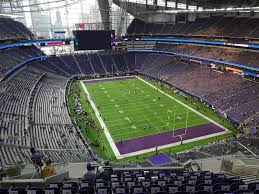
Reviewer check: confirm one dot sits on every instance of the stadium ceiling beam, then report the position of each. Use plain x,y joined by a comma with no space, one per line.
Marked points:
220,3
48,9
43,3
105,13
11,16
223,10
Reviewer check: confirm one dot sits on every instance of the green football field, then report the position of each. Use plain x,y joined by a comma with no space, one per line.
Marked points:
131,108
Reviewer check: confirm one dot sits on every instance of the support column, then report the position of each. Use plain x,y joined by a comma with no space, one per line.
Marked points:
105,13
176,4
165,4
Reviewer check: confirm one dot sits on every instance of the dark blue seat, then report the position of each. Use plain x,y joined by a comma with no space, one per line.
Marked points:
205,187
160,182
103,190
177,182
55,185
238,186
86,184
71,184
17,190
221,192
69,190
182,192
3,191
152,189
137,189
190,181
86,190
116,184
253,186
140,193
243,192
130,184
171,188
188,188
221,186
34,190
145,183
202,192
120,189
51,190
100,183
205,181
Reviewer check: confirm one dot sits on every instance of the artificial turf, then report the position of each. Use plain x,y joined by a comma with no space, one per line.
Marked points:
131,108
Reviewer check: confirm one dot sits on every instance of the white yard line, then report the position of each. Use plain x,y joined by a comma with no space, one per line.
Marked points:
106,132
112,143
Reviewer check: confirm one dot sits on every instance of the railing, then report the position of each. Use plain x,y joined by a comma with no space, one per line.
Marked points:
27,171
245,166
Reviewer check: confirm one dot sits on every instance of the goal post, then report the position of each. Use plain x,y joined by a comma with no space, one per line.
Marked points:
186,127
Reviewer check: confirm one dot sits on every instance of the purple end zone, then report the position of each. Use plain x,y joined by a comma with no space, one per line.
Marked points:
151,141
108,79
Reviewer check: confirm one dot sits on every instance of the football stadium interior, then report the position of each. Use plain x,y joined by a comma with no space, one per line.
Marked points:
129,96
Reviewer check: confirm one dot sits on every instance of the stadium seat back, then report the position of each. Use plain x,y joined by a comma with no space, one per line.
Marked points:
130,184
115,184
51,191
34,191
243,192
3,191
154,189
145,183
86,190
86,184
100,184
138,189
161,183
103,190
253,186
177,182
188,188
171,188
120,189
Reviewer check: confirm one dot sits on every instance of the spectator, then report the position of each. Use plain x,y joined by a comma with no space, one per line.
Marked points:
101,175
108,169
48,169
90,175
36,157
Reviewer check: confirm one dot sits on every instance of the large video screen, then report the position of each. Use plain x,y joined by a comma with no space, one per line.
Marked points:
93,39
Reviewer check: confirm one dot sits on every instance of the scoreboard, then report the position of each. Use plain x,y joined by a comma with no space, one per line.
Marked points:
93,39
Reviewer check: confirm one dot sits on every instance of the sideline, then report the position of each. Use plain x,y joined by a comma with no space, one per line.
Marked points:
106,132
